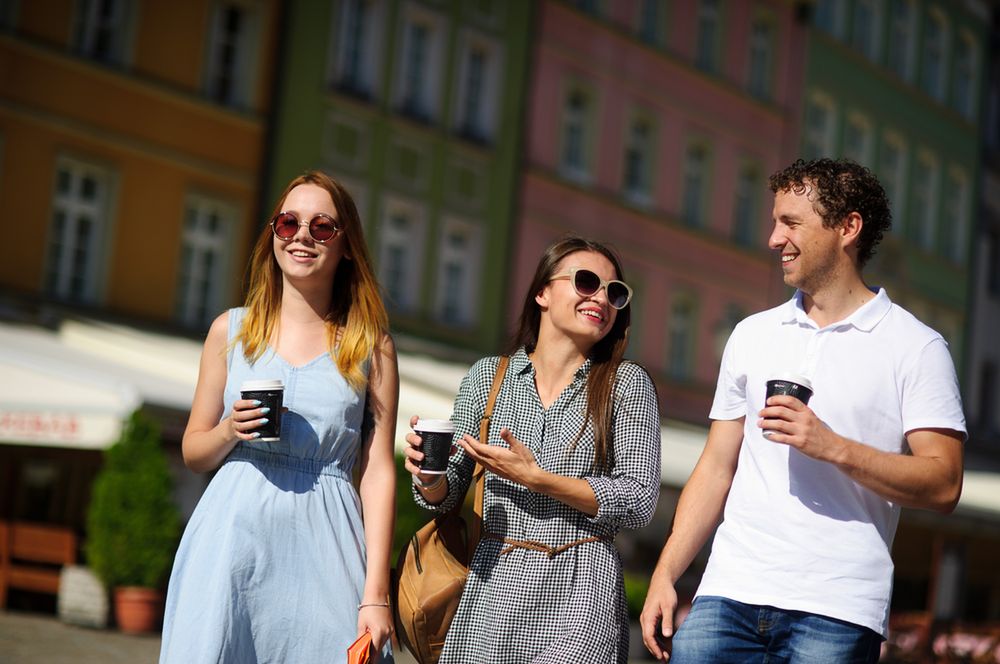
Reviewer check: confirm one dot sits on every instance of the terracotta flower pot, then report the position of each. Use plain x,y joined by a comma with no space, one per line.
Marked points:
137,609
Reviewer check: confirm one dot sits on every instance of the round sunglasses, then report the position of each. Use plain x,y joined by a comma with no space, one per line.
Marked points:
587,283
322,227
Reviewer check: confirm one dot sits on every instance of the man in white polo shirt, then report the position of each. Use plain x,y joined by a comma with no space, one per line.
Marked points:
800,569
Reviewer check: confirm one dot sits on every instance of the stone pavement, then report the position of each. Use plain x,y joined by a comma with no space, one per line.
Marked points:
39,638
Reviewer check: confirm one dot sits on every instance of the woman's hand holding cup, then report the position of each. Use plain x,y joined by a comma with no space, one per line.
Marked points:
247,416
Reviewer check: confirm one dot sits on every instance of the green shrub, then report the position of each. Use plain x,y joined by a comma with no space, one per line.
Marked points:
132,522
636,588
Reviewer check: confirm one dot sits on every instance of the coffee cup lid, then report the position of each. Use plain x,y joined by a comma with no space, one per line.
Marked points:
262,385
443,426
795,378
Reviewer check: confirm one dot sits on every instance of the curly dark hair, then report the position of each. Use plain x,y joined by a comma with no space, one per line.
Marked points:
842,186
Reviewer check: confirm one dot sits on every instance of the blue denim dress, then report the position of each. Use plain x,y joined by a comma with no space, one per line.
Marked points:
271,566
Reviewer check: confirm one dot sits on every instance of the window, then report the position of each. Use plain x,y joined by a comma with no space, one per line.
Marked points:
478,77
458,273
419,66
681,332
80,210
357,60
576,119
924,205
993,263
964,79
829,16
902,28
229,78
651,22
988,395
858,139
202,274
731,316
892,168
401,255
745,207
935,50
760,62
102,30
820,118
955,216
709,35
346,140
638,161
696,164
866,28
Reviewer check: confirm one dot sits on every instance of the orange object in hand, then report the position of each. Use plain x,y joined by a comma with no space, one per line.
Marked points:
360,652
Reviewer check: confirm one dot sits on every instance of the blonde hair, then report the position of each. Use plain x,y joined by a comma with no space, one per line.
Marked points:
355,304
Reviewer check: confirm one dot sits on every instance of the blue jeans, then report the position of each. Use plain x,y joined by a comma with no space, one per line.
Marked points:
724,631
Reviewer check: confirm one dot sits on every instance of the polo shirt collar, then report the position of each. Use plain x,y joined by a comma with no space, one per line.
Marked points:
864,318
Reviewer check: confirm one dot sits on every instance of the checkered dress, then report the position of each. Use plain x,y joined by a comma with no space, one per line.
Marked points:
525,606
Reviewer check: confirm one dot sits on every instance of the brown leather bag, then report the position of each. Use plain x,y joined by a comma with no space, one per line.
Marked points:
431,570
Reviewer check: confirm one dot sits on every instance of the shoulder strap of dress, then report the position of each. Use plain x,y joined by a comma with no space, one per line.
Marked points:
236,315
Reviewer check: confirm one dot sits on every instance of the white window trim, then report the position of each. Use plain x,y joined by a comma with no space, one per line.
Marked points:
768,87
104,226
415,249
371,54
643,195
221,246
244,92
940,85
857,119
489,103
433,74
926,232
827,139
909,56
470,258
582,173
900,178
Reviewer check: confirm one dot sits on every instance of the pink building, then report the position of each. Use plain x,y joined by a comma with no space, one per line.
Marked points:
653,126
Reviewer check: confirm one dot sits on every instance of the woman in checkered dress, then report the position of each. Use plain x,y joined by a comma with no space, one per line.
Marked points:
573,456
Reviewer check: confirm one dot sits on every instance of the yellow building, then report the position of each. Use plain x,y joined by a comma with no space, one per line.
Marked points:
131,143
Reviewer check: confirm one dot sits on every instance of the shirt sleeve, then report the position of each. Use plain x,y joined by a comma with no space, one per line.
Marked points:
627,497
730,402
930,394
470,403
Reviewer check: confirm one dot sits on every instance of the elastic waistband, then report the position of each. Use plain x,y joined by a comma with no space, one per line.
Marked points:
268,459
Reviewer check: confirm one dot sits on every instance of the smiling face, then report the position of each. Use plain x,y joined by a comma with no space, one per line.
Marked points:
586,319
811,253
301,257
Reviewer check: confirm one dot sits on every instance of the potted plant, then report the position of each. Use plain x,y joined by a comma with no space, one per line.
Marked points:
133,524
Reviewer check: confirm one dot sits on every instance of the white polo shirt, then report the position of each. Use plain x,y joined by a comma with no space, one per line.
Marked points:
798,533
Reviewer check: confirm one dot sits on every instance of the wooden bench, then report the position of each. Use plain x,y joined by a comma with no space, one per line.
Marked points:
32,555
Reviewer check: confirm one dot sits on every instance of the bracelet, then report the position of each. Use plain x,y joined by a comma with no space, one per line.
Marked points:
361,606
433,485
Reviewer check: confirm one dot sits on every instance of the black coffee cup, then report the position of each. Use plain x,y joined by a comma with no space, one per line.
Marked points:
270,394
793,385
437,436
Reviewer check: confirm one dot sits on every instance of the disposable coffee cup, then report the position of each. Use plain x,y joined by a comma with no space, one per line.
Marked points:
270,394
794,385
437,436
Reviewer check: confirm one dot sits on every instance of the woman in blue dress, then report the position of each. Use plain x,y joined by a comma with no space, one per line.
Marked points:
275,564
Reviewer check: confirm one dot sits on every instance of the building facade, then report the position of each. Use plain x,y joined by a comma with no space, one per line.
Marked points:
653,127
131,142
899,87
416,106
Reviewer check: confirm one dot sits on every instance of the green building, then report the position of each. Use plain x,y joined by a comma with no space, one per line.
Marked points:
897,85
416,106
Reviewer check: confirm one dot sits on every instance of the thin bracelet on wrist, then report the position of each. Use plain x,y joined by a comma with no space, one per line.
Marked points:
431,486
383,605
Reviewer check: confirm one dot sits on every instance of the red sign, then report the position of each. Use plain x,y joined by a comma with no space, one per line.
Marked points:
27,425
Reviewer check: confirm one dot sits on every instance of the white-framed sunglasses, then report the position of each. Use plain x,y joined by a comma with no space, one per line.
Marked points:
587,283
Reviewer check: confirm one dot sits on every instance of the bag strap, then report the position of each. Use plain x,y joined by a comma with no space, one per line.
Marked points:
479,474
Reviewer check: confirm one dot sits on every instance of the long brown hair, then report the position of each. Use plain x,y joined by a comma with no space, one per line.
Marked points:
355,304
606,354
